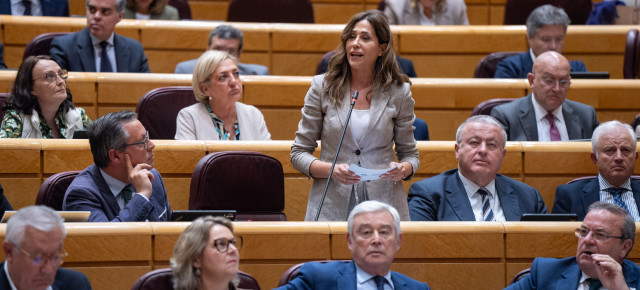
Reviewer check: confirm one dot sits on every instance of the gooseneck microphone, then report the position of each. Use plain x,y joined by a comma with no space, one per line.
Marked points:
335,159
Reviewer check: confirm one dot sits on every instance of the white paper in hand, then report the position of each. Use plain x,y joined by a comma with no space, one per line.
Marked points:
368,174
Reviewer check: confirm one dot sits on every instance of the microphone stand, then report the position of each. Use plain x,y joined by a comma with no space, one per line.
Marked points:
335,159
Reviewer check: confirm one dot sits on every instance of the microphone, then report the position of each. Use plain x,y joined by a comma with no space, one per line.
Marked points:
335,159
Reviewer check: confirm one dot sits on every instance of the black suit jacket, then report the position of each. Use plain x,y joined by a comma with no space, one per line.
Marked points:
74,52
4,203
49,7
65,279
519,119
443,198
576,197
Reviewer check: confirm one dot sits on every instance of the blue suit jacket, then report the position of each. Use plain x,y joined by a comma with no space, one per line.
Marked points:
519,119
187,66
576,197
422,131
519,65
49,7
74,52
443,198
90,192
561,274
65,279
340,275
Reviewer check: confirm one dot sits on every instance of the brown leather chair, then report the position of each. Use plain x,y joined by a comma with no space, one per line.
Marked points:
520,275
158,109
250,183
184,11
52,190
485,107
41,44
281,11
631,55
517,11
486,68
160,279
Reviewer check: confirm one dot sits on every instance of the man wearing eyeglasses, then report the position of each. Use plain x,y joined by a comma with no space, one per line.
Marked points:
613,151
121,185
546,114
373,237
605,238
33,246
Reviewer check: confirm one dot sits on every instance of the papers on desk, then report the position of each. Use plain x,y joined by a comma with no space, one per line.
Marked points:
368,174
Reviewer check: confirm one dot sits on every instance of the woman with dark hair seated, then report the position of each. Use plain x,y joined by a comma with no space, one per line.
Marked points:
150,9
205,256
40,105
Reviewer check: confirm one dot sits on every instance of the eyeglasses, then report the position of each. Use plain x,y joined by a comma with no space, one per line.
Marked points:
563,84
222,244
52,76
144,142
40,260
598,236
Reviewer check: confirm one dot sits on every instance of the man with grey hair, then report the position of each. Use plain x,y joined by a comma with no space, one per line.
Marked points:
33,246
474,191
97,48
605,238
229,39
121,185
373,236
613,151
546,29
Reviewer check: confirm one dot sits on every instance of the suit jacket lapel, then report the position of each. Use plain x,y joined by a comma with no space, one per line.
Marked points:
4,282
590,193
458,199
571,277
528,119
85,51
635,188
378,104
574,130
122,53
508,200
347,276
105,191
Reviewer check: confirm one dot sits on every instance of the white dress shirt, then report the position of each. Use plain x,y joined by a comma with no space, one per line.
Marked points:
17,8
543,124
627,197
97,51
364,280
476,199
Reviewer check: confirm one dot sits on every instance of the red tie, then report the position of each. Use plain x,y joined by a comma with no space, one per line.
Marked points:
554,134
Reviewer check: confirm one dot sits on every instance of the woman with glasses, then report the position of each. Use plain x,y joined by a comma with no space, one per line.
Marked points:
218,115
40,104
206,256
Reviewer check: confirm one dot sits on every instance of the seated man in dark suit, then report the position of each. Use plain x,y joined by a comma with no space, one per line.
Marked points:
604,240
546,29
229,39
35,7
33,247
475,191
121,185
614,153
97,48
546,114
373,236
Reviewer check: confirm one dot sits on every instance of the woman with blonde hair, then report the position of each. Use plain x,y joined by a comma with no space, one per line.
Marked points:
218,115
150,9
205,256
426,12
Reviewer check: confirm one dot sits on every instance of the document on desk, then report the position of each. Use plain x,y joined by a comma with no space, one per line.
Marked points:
368,174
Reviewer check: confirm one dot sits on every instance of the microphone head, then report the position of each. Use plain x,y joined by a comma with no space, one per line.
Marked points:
355,96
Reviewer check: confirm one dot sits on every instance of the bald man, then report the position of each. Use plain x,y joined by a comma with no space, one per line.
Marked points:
546,114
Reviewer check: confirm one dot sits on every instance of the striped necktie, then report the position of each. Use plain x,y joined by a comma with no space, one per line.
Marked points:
487,212
379,282
617,196
27,7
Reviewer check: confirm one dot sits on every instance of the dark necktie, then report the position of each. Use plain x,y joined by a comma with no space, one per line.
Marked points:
379,282
127,193
617,196
487,212
105,64
27,7
594,284
554,134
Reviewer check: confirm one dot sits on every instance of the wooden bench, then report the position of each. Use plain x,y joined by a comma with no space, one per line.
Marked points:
295,49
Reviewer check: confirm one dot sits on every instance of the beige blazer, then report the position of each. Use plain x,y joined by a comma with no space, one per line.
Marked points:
400,12
194,123
391,123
